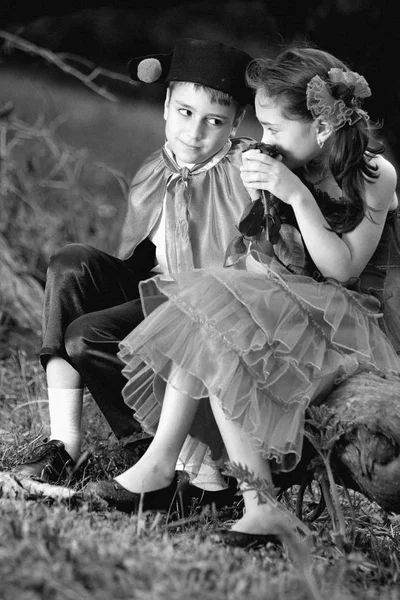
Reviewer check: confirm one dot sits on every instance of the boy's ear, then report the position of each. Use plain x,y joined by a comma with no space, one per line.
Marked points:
238,119
166,104
323,130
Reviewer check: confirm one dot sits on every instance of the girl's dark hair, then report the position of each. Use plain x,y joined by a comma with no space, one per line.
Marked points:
286,77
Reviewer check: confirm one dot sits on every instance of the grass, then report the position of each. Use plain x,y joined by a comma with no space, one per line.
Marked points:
55,550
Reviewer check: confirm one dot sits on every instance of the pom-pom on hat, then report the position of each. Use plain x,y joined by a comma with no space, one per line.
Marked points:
206,62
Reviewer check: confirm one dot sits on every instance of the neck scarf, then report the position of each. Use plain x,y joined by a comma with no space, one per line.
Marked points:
179,250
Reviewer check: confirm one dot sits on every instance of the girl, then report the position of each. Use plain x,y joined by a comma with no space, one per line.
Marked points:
289,316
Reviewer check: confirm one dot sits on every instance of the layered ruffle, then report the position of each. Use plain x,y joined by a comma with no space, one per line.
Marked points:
264,341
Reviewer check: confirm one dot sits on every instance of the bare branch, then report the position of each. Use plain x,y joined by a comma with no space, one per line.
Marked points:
97,70
59,60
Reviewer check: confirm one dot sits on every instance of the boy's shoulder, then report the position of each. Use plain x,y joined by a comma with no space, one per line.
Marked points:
152,158
239,144
242,142
152,163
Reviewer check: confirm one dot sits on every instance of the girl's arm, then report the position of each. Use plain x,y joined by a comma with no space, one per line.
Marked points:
347,256
339,257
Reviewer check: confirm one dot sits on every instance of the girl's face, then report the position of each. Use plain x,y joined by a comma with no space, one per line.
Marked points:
196,128
295,139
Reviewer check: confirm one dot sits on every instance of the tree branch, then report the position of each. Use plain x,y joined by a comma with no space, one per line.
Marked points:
60,61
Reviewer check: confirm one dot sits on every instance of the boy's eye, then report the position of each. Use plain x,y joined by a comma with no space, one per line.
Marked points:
185,112
215,121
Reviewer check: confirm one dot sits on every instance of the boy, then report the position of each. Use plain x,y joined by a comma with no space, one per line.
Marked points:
184,203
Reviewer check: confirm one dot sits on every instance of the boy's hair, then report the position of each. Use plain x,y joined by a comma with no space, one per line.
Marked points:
285,78
216,96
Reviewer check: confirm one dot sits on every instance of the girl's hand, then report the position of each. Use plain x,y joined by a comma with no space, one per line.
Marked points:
262,172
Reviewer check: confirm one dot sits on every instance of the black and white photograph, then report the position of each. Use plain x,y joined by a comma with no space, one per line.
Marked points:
199,300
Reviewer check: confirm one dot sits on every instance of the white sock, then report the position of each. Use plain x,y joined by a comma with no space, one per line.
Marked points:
65,408
208,476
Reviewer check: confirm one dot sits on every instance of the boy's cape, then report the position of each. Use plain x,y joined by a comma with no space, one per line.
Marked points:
217,200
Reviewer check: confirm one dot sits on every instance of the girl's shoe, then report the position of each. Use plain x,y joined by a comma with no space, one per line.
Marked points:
230,537
122,499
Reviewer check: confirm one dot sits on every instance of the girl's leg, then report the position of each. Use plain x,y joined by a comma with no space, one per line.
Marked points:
156,468
257,517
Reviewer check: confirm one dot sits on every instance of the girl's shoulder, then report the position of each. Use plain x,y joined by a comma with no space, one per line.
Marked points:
382,190
384,167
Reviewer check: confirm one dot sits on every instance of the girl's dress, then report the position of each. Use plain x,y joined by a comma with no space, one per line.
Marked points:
267,335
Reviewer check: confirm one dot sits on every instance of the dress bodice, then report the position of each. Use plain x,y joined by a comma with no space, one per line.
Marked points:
381,276
385,257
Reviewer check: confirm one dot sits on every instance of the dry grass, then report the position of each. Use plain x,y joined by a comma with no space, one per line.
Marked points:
56,551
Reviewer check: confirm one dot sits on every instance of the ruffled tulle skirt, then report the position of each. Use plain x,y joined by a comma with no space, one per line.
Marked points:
265,341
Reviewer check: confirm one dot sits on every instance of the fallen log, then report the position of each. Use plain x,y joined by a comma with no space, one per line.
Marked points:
367,406
18,488
366,457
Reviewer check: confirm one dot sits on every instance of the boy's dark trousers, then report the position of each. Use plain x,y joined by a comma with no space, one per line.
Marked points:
91,303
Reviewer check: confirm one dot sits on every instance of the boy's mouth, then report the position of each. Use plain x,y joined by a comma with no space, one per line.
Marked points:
189,147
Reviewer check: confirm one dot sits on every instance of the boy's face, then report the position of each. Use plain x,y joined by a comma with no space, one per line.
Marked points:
196,128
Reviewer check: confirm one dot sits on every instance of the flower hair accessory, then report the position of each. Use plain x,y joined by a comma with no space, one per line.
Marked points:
338,99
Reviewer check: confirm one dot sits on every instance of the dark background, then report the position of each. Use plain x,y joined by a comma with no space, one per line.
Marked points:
364,33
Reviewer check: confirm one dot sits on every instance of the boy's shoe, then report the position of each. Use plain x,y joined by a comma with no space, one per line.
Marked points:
49,462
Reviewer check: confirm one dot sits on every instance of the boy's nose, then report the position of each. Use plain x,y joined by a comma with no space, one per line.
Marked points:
195,131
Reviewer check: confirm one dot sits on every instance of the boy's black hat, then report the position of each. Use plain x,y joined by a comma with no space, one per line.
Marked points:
206,62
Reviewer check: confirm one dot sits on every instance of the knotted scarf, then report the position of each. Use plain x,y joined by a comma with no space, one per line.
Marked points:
178,196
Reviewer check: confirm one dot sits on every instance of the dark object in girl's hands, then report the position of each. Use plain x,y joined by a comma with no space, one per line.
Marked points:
256,216
253,219
269,149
